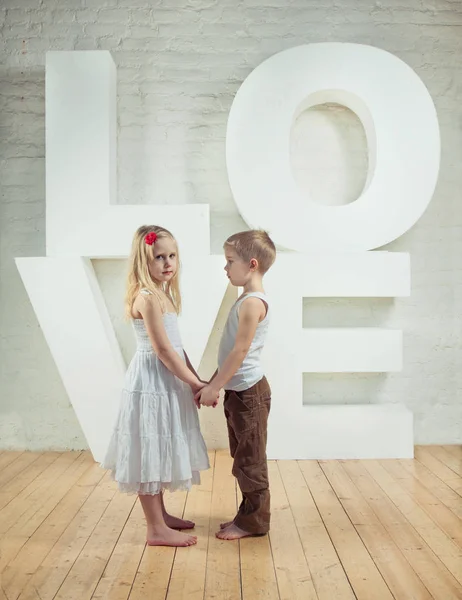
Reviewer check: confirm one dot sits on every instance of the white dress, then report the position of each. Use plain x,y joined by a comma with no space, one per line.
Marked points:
157,443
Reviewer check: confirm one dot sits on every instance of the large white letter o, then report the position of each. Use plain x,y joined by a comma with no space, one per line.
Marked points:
402,133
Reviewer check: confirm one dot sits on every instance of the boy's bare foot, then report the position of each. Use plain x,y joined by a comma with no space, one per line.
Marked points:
225,525
177,523
169,537
232,532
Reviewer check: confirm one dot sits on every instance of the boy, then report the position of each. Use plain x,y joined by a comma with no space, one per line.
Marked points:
249,255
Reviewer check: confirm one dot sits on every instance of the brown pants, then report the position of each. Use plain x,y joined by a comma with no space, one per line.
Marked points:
247,416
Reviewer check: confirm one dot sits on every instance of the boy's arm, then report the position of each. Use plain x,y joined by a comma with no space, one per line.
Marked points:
249,316
213,376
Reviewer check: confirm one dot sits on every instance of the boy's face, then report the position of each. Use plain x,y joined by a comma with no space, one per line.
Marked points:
238,271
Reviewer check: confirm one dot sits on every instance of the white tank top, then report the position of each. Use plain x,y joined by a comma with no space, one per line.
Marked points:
250,372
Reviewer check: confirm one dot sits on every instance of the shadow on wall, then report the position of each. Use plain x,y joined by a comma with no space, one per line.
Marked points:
343,388
347,388
347,312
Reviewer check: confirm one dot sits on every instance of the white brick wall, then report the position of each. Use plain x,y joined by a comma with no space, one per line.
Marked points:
180,63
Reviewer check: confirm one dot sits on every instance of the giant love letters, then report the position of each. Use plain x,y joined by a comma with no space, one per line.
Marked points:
325,250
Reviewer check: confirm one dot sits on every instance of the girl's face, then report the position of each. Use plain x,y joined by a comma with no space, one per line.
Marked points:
238,271
164,265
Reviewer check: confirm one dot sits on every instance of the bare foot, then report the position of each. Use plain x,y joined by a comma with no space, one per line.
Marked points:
169,537
177,523
232,533
225,525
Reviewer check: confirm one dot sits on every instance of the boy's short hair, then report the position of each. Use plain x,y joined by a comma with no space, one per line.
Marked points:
254,244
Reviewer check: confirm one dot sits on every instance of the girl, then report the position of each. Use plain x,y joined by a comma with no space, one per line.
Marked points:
157,444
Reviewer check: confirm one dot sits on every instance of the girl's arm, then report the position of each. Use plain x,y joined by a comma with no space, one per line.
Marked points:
149,308
190,367
204,383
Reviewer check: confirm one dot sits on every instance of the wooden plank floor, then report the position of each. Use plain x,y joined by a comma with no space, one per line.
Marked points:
371,530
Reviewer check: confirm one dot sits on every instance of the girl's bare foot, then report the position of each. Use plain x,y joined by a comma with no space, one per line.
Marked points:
177,523
165,536
174,522
232,532
225,525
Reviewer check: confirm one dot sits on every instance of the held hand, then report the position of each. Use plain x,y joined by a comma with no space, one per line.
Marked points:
196,390
197,399
215,404
198,386
209,396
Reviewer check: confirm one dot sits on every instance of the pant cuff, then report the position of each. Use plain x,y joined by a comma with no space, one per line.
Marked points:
246,525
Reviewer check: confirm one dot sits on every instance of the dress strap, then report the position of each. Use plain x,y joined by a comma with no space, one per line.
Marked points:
145,292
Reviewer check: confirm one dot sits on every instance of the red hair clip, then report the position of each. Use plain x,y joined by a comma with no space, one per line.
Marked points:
150,238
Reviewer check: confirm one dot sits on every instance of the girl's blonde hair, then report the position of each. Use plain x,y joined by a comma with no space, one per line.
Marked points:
139,276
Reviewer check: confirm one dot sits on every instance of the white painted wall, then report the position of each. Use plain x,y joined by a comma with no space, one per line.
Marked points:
178,70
